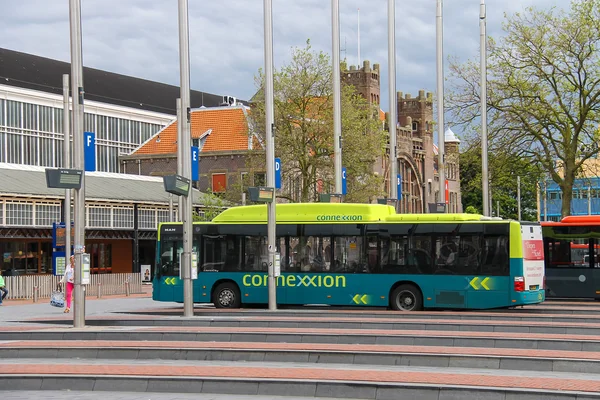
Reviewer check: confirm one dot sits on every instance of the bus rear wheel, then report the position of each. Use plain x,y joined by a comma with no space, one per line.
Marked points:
406,298
227,295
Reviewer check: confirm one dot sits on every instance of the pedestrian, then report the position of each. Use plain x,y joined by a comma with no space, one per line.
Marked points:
68,280
2,288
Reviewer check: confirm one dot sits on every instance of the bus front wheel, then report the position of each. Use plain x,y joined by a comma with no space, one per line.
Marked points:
227,295
406,298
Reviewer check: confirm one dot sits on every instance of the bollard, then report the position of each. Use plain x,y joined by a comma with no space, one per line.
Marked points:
126,288
35,294
99,292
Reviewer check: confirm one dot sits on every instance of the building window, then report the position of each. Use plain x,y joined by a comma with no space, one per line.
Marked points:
219,182
146,218
244,180
163,216
19,214
99,217
46,214
123,217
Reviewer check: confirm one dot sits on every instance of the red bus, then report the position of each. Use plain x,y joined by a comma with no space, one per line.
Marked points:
572,257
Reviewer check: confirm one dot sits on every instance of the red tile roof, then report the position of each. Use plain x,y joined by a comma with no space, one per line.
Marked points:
228,126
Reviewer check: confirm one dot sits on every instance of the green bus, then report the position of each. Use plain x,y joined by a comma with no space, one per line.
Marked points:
356,255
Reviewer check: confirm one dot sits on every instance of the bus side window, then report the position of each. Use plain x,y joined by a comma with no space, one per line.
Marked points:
372,249
347,255
256,255
420,254
393,255
232,253
495,255
446,253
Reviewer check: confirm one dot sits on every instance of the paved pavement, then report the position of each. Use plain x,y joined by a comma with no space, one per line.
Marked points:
12,314
117,361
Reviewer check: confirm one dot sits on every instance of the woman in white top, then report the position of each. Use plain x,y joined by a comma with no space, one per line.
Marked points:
68,279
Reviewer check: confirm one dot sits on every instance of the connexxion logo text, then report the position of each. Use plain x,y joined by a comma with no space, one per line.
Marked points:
297,280
339,217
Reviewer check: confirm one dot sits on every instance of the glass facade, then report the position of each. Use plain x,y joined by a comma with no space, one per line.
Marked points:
26,257
32,134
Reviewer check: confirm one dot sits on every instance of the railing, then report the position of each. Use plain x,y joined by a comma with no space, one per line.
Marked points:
23,287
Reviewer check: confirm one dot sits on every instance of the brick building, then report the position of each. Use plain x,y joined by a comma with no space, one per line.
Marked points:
223,136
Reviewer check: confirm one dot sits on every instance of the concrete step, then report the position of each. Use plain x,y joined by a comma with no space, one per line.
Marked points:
310,335
580,326
466,357
336,381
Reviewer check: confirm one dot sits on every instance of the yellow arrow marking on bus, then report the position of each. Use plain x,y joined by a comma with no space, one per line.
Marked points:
170,281
473,283
360,299
483,283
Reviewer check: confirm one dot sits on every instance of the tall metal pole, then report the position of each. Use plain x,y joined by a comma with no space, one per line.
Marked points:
484,138
519,198
270,139
589,196
185,152
358,35
439,30
78,158
392,96
179,155
337,97
67,164
497,208
538,201
545,201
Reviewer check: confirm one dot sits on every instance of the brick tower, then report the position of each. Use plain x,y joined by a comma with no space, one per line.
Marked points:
366,80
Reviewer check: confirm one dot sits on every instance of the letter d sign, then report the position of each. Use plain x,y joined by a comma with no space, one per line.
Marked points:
278,173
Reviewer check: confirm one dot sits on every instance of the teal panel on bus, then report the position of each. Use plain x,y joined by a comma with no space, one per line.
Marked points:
439,291
478,292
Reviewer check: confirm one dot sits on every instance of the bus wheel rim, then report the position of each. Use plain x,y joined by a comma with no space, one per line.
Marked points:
406,300
226,297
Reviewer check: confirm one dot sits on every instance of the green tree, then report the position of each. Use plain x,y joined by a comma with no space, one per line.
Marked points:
303,107
472,210
504,167
213,206
543,90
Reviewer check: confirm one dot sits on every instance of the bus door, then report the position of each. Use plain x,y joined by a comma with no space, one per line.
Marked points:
306,259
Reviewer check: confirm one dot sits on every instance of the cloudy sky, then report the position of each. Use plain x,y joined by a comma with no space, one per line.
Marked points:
140,37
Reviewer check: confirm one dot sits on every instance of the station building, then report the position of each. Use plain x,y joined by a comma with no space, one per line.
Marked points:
122,211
